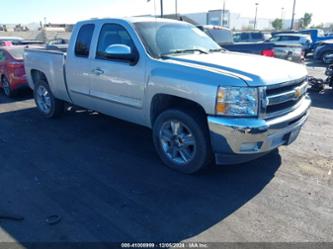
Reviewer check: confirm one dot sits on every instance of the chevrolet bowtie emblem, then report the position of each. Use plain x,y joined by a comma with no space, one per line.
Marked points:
298,92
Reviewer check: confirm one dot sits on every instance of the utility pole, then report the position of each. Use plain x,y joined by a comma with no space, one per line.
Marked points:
176,8
293,16
162,9
223,14
255,17
282,10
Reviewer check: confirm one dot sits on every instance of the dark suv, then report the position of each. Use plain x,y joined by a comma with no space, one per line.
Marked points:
251,37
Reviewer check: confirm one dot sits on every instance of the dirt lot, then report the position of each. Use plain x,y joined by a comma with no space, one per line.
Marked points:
102,176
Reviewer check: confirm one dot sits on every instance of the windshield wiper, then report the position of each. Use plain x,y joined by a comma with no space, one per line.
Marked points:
182,51
216,50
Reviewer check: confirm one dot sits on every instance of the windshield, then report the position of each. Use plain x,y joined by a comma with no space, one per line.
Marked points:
162,38
321,33
221,36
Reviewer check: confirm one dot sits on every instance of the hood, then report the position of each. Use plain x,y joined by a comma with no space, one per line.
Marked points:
255,70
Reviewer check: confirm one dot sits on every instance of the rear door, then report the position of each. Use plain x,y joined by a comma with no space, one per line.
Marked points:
78,65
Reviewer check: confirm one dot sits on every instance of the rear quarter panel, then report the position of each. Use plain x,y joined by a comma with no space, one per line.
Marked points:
51,64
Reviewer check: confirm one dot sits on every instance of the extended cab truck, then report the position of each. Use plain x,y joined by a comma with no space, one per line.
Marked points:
199,100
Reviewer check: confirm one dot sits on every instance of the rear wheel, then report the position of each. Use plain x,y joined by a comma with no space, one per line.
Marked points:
6,87
181,140
46,103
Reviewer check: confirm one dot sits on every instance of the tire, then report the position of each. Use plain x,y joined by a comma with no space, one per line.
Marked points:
182,141
324,55
45,101
6,87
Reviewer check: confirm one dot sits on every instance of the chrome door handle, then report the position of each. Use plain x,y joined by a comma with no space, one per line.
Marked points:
98,71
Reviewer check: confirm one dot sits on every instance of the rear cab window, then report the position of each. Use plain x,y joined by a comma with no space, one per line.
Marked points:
83,41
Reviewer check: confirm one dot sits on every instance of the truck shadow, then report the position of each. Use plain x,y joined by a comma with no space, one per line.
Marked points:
323,99
102,176
22,95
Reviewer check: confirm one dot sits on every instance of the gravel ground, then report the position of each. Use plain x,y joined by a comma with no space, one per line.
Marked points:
102,176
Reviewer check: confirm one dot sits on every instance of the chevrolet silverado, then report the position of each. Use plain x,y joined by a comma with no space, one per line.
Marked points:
202,103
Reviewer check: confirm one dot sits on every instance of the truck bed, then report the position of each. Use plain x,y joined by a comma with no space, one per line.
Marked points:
52,63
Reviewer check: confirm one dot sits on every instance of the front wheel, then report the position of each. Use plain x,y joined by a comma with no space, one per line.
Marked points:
46,103
182,141
6,88
326,54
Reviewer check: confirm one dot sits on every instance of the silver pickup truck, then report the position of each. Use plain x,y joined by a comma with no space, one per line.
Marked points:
202,102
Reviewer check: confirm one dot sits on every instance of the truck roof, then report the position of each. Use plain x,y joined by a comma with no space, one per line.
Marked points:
130,20
293,34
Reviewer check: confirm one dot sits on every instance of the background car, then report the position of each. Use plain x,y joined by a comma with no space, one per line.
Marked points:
328,59
293,39
323,50
12,74
11,39
224,37
251,37
18,41
6,44
317,36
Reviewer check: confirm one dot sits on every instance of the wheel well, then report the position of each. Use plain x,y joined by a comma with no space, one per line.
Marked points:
37,75
162,102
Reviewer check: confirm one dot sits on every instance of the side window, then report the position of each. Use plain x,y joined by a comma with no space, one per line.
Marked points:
112,34
2,56
295,38
284,38
244,37
83,41
257,36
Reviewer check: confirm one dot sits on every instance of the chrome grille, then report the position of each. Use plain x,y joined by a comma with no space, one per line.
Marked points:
283,98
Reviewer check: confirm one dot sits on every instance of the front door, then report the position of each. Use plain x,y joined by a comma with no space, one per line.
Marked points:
117,86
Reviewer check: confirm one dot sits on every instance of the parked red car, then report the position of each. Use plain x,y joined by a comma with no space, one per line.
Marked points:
12,74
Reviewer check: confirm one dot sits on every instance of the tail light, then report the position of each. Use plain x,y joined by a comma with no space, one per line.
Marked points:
17,68
268,53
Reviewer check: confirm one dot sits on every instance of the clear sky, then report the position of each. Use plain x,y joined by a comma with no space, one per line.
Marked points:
70,11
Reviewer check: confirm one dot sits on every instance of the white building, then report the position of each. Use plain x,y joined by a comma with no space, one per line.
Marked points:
233,20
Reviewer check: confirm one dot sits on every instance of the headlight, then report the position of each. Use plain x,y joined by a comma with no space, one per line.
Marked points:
237,101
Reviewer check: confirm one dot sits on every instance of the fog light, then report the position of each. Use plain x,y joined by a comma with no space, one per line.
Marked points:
250,147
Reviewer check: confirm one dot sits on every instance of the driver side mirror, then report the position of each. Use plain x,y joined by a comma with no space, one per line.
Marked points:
121,52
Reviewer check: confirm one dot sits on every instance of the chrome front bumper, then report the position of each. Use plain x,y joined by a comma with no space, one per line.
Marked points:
236,140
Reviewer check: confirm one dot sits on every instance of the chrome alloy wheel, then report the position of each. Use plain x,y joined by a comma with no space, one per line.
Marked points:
177,142
43,99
